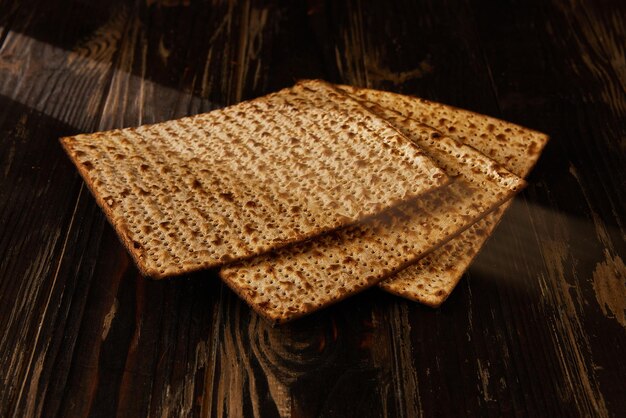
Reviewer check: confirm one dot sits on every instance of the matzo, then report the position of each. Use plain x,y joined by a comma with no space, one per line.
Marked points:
433,277
204,190
513,146
299,279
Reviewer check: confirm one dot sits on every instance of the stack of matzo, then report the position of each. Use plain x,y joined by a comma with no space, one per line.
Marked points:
306,196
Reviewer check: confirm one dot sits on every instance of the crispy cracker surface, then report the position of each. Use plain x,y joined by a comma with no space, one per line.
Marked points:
205,190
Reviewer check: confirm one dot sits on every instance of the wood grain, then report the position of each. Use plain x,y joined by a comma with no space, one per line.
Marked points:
531,330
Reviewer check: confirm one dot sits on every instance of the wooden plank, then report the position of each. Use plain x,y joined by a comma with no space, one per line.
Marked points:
572,88
39,190
141,347
429,50
450,46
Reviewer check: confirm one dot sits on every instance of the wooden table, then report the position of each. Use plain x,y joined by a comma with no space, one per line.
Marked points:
537,326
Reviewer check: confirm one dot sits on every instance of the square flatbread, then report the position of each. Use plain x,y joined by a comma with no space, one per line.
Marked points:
432,278
301,278
205,190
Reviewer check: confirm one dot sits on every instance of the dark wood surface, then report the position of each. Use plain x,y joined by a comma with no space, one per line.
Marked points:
537,326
